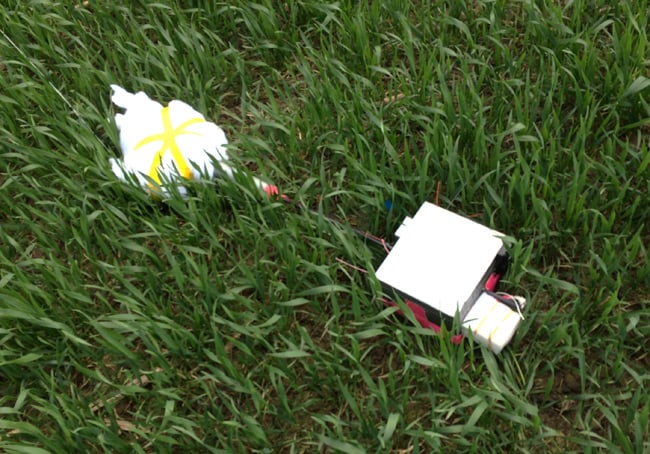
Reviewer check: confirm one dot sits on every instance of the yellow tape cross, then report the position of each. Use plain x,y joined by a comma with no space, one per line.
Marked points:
168,138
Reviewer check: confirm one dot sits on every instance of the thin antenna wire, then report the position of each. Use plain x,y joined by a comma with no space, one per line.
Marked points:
354,267
368,236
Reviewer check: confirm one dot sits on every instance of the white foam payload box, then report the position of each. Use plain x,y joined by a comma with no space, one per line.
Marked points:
441,261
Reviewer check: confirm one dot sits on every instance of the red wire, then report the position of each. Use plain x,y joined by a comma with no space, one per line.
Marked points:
354,267
386,248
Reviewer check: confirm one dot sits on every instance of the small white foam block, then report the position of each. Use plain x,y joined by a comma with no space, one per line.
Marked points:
440,259
199,141
402,228
491,322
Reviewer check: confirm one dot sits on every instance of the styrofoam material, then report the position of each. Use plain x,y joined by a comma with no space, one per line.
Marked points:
491,322
199,142
440,259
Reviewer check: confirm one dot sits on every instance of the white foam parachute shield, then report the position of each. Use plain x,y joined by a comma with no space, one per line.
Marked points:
163,144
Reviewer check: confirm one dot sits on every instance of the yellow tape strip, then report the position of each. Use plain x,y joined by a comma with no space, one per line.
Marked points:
495,304
168,138
496,328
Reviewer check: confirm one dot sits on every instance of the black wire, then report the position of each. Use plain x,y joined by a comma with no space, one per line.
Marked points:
385,246
510,302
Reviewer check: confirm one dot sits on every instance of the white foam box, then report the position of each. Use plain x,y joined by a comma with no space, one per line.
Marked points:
440,261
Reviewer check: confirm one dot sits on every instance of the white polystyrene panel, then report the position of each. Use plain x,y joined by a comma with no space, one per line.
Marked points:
440,259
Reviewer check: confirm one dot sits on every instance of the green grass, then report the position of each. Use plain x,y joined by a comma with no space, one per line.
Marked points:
223,322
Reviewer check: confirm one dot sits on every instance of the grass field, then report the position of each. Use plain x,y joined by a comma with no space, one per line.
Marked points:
225,323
